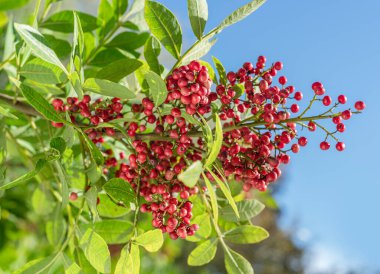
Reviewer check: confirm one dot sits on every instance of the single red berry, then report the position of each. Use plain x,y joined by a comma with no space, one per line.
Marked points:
312,126
346,115
294,108
298,96
340,127
326,100
56,124
360,105
73,196
295,148
302,141
324,145
282,80
342,99
340,146
278,65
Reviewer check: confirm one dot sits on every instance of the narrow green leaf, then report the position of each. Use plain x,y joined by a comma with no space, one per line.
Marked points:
241,13
108,88
212,194
107,56
152,50
204,230
40,104
191,175
26,177
55,229
164,25
119,7
70,266
6,113
96,251
119,69
43,72
128,41
225,191
236,263
247,210
96,154
38,44
157,88
198,15
203,253
151,240
221,71
91,197
120,190
76,84
63,21
78,46
217,144
42,265
129,262
200,50
246,234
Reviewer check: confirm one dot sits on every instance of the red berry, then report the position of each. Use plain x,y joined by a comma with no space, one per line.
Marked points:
340,146
294,108
302,141
326,100
342,99
298,96
73,196
278,65
282,80
324,145
346,115
360,105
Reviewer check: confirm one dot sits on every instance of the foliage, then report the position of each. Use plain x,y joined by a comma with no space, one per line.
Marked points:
94,167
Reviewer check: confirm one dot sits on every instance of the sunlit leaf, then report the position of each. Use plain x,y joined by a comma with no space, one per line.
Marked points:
203,253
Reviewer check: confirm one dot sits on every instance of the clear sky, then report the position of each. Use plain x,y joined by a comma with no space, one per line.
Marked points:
331,197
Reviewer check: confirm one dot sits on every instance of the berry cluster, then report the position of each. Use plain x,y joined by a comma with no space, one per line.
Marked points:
260,124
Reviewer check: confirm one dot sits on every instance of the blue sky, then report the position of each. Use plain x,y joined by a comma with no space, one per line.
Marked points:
331,197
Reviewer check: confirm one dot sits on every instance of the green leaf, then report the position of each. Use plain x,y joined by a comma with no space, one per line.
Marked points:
191,175
78,45
96,154
199,50
246,234
114,231
198,15
240,13
221,70
157,88
236,263
76,84
42,201
211,193
40,104
120,190
6,113
247,210
63,21
217,144
61,47
43,72
107,56
164,25
42,265
119,69
128,41
203,253
152,50
109,209
204,230
119,7
225,191
151,240
91,198
96,251
129,262
59,144
10,5
38,44
56,229
26,177
70,266
108,88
